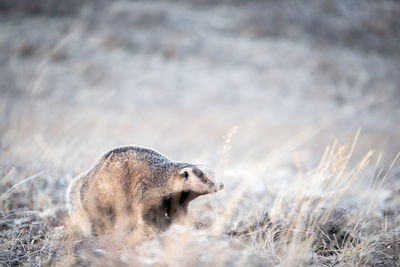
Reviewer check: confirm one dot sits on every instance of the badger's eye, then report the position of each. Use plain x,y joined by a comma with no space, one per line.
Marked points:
185,174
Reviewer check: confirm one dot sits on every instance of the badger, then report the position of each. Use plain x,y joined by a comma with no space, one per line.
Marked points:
132,188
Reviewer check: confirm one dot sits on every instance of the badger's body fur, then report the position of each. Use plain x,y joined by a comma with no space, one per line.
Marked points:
132,188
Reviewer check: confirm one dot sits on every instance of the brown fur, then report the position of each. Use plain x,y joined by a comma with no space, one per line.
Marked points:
133,188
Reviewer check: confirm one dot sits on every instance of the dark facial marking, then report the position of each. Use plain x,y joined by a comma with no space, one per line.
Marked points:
185,174
200,174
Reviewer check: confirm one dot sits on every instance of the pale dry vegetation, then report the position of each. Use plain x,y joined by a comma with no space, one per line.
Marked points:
301,124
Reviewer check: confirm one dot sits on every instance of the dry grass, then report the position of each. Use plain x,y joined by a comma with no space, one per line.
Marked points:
304,226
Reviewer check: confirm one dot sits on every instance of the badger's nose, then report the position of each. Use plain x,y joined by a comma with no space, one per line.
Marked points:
219,187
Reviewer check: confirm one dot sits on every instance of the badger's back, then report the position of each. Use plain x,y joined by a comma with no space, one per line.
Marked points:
116,185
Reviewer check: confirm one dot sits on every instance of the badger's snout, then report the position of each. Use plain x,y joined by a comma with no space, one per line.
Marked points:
214,187
218,187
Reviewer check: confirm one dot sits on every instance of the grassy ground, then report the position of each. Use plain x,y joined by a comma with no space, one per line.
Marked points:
295,105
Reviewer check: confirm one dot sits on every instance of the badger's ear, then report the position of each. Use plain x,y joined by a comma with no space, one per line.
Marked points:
184,173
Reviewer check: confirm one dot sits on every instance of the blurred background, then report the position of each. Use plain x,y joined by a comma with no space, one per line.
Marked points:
80,77
228,83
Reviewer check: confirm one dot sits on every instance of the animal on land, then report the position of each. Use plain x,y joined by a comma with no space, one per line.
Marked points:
132,188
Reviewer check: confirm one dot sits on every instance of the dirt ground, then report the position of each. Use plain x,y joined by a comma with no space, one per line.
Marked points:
255,89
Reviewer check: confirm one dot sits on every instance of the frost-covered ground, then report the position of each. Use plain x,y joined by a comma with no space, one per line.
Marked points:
257,90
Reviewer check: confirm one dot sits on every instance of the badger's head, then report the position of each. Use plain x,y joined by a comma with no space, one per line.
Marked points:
186,183
193,181
199,179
